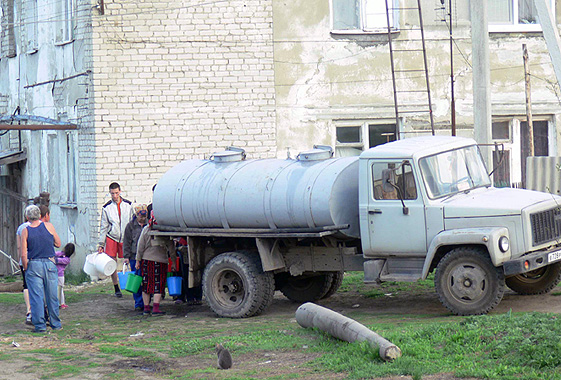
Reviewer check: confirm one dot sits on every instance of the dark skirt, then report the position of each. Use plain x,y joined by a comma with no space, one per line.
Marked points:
154,277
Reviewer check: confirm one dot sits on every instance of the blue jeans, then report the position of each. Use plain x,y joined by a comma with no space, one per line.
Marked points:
138,302
42,281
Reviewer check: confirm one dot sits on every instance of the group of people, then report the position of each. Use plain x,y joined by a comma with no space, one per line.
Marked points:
42,268
124,233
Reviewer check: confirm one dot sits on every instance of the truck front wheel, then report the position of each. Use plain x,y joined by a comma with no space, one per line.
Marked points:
538,281
235,286
468,283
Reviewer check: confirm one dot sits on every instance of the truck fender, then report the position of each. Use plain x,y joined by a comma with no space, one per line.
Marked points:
485,236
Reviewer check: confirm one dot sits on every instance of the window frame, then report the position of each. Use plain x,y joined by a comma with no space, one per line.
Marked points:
67,24
31,28
515,26
363,28
364,125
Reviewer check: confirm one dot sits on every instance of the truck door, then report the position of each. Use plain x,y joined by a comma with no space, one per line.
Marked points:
393,231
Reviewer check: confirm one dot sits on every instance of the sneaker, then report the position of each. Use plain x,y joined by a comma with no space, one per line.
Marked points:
159,312
39,331
138,308
119,294
63,306
28,319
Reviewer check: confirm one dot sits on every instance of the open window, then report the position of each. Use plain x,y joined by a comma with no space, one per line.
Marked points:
394,180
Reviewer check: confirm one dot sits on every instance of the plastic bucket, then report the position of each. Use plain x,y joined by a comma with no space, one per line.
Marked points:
133,282
174,285
89,266
104,264
123,276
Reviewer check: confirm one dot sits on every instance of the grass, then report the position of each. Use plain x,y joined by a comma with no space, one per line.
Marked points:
75,278
490,347
354,282
522,346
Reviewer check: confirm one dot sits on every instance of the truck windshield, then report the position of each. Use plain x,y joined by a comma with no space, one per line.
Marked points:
453,172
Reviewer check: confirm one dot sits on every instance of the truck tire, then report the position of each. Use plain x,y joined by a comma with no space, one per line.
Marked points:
538,281
467,282
306,288
335,284
235,286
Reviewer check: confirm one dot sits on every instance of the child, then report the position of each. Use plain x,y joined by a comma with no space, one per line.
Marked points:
62,260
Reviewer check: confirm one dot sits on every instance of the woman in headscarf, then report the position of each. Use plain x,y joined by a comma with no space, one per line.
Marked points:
152,258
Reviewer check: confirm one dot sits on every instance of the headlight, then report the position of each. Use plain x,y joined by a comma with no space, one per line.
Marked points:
504,244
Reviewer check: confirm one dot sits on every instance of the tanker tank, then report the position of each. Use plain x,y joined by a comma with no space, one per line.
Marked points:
227,191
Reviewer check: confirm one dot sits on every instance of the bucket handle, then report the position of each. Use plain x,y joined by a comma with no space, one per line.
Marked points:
126,265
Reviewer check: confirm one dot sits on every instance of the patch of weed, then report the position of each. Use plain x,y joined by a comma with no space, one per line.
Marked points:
76,278
10,278
11,298
61,370
354,282
125,351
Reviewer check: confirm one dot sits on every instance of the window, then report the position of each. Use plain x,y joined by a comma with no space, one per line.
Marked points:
59,178
360,16
514,15
31,26
354,136
66,22
454,171
394,180
501,130
71,167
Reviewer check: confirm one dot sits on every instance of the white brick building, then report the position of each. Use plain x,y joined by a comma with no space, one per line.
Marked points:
152,83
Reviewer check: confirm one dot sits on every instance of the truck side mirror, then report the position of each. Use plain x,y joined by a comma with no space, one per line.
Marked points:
388,178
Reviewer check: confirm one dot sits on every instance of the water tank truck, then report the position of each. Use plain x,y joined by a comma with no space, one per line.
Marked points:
398,212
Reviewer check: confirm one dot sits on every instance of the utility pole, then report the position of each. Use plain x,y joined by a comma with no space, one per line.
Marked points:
530,132
481,78
453,98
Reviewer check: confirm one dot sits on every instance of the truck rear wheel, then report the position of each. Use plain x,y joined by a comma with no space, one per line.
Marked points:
538,281
235,286
335,284
467,282
306,288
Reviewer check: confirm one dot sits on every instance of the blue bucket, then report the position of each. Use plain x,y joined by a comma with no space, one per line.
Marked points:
174,285
123,276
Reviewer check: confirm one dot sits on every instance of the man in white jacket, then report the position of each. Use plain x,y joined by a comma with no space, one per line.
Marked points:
115,215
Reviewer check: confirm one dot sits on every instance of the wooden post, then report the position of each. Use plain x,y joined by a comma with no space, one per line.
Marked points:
347,329
530,132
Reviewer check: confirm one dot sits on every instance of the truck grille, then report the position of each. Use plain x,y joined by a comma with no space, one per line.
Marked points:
546,226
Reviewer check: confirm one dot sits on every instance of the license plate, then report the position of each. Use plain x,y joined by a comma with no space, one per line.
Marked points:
554,256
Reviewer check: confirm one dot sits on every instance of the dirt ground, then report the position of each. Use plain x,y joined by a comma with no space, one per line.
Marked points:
100,306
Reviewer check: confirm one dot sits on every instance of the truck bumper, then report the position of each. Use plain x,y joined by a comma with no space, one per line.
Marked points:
532,261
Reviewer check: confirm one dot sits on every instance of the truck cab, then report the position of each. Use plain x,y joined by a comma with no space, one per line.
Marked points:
427,204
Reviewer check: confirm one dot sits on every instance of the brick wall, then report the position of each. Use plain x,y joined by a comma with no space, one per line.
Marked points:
174,80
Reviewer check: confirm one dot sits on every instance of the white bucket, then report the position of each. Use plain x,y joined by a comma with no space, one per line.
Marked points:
104,264
89,266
